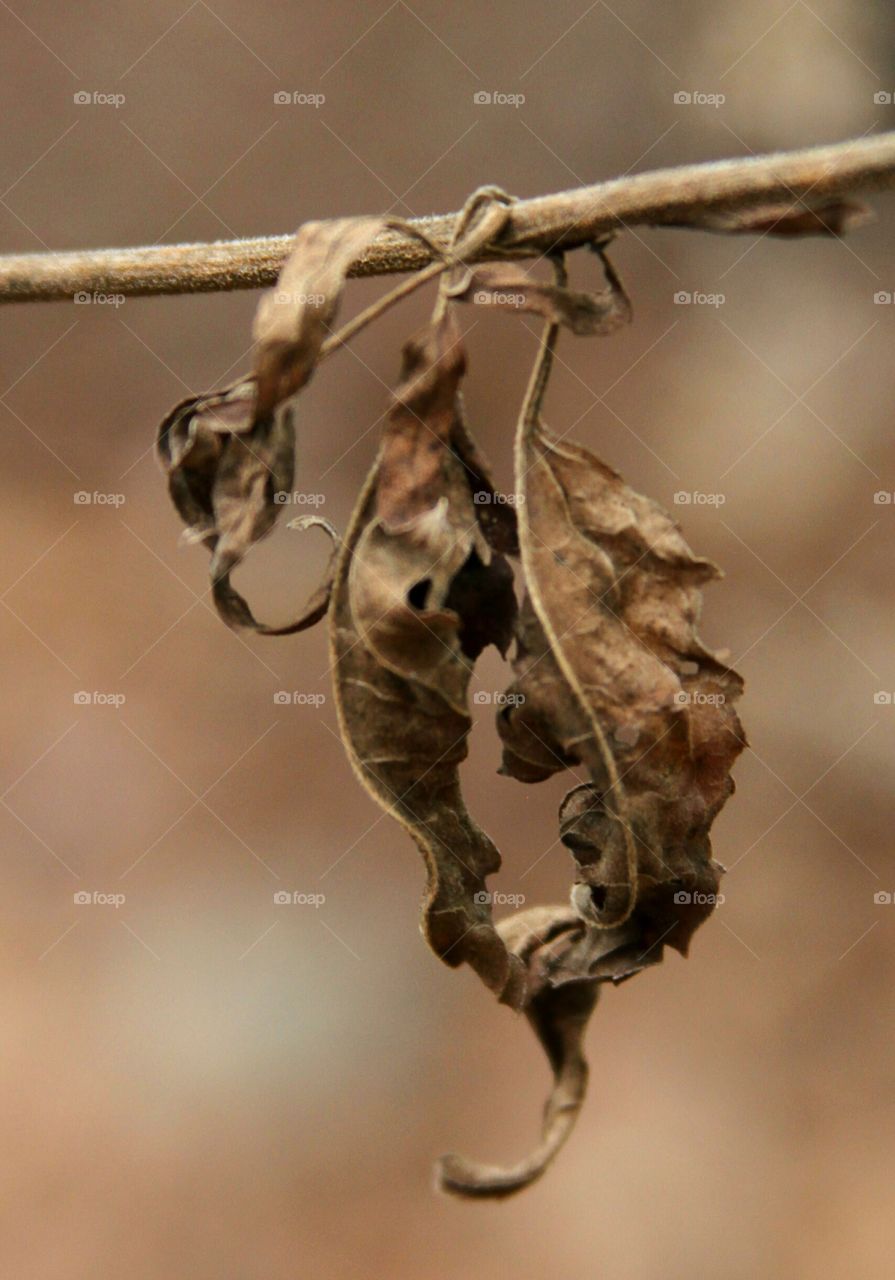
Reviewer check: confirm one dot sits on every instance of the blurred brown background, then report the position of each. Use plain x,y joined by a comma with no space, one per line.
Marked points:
201,1083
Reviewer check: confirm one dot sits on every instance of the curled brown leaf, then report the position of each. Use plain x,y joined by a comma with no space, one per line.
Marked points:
507,286
800,218
611,676
418,593
565,960
294,318
228,472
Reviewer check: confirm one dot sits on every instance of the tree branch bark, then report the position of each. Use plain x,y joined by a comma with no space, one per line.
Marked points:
706,196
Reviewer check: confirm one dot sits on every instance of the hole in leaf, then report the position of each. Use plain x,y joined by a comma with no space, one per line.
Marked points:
419,593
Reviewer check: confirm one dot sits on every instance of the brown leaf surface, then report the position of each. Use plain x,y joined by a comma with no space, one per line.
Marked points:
611,679
418,593
294,318
507,286
226,470
565,961
802,218
611,676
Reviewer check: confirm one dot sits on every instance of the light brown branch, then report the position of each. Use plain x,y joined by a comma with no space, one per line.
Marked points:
692,195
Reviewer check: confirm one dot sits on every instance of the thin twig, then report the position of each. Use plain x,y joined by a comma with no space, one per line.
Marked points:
692,195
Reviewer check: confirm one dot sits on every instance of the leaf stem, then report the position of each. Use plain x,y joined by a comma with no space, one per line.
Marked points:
689,196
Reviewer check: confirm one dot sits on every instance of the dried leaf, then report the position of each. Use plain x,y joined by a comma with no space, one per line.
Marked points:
835,217
615,589
226,469
496,516
295,317
418,593
565,960
507,286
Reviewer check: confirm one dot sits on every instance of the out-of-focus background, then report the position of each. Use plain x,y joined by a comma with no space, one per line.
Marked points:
200,1082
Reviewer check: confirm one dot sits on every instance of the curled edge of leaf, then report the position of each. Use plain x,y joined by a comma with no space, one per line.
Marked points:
837,217
566,962
528,432
507,286
456,924
294,317
231,605
226,469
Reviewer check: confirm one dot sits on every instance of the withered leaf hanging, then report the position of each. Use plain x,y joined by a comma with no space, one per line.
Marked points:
418,594
294,319
611,681
616,592
565,961
508,287
805,217
230,455
226,473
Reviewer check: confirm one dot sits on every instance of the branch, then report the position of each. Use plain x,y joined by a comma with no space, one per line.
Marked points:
715,197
